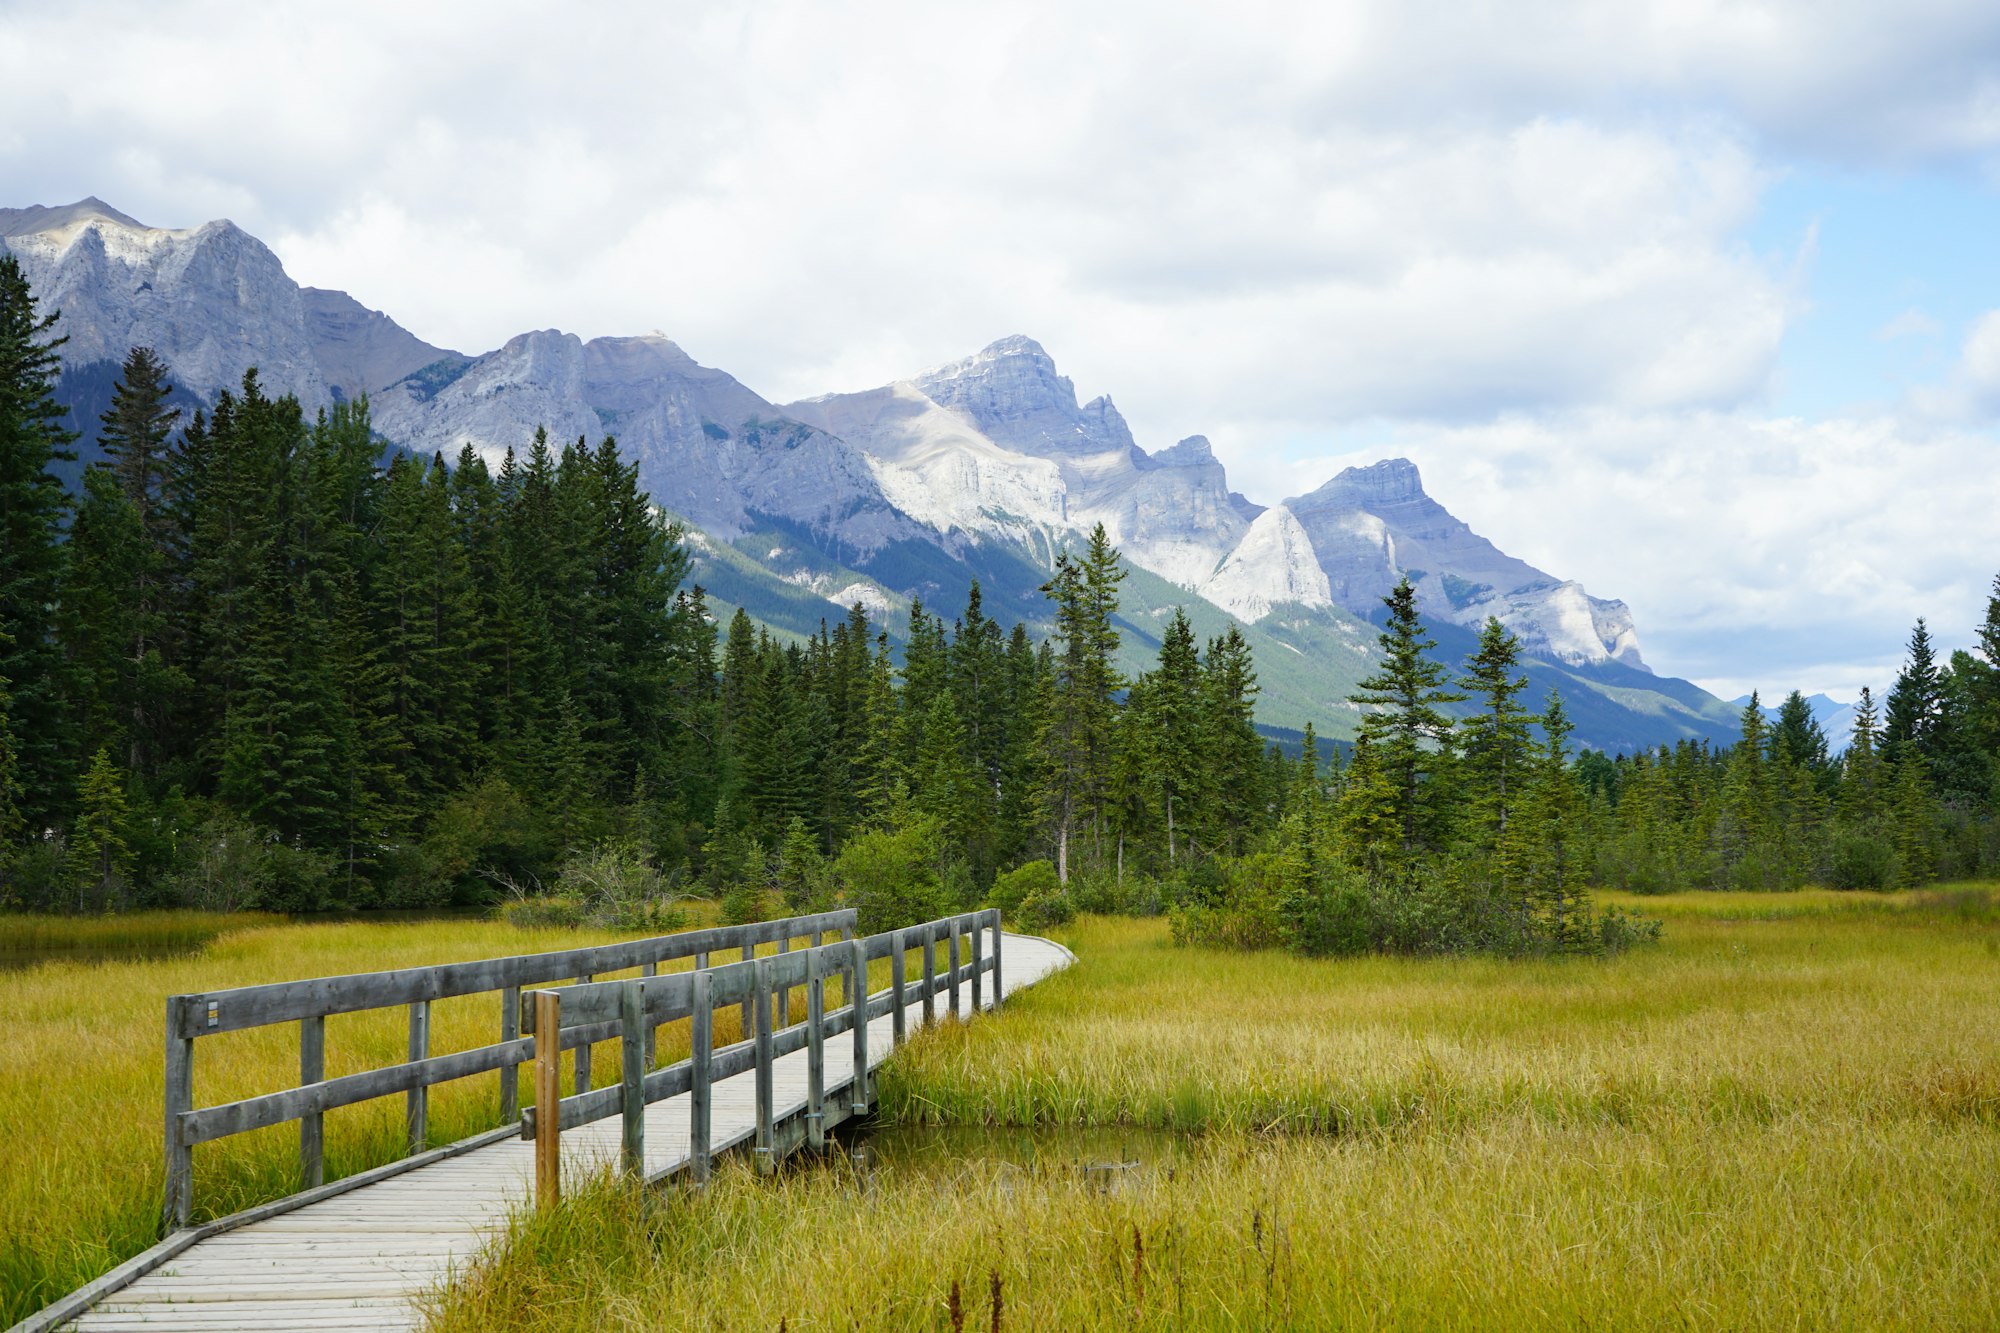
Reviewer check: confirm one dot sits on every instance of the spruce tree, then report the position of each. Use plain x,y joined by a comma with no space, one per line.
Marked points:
1402,716
32,511
1916,701
100,858
1171,725
1495,741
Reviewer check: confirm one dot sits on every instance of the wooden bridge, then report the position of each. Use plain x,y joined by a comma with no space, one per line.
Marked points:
357,1253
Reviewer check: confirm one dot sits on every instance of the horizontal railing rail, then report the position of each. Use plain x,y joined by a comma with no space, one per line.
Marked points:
637,1005
309,1003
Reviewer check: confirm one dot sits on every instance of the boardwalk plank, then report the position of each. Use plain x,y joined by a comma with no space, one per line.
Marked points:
361,1259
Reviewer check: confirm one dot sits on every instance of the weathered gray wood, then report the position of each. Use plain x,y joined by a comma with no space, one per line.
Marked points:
417,1107
859,1087
548,1095
749,1018
180,1100
930,976
896,987
760,1002
976,937
816,1048
632,1084
582,1070
700,1096
312,1125
953,960
650,970
215,1122
999,987
288,1001
510,1074
785,991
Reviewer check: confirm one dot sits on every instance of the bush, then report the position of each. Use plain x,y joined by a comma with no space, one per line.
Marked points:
1015,887
1050,907
610,885
891,876
1862,859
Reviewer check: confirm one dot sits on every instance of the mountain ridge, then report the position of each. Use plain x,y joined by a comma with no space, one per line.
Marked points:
989,461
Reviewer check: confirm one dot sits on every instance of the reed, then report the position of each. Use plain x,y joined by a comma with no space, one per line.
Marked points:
1784,1116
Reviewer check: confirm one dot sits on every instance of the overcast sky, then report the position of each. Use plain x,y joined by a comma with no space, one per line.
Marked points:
1697,303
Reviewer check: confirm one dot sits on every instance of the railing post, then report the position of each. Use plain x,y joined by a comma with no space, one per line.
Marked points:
815,1049
548,1098
418,1109
702,1044
759,1004
649,970
897,1030
750,1002
977,938
582,1056
952,959
785,995
858,1098
999,990
510,1073
312,1125
632,1081
180,1097
930,974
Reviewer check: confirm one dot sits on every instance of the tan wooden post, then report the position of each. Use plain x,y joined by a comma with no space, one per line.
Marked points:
548,1099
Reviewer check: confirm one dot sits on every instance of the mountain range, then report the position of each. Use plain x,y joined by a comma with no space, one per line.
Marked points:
985,467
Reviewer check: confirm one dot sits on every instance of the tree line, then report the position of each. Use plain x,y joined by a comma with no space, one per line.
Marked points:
257,662
253,663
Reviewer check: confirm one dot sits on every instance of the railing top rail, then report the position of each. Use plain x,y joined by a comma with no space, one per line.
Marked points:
206,1013
591,1002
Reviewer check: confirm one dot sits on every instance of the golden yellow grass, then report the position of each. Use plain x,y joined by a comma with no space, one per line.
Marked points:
81,1076
1785,1116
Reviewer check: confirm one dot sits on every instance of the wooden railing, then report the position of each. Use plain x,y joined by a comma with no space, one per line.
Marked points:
309,1003
638,1006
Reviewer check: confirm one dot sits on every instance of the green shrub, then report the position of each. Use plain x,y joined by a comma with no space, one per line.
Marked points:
891,876
1052,907
1015,887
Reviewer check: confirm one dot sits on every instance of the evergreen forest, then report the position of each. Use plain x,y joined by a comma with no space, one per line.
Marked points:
257,661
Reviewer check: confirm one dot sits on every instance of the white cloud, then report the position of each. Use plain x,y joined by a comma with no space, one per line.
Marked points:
1749,547
1504,239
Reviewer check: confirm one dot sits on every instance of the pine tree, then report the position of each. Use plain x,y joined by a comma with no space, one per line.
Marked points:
1915,821
1862,795
1916,701
32,511
100,859
1079,725
1401,714
1548,840
1171,725
1496,740
1239,796
135,432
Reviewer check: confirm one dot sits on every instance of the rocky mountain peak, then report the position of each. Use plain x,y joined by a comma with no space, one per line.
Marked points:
1194,451
36,219
1391,481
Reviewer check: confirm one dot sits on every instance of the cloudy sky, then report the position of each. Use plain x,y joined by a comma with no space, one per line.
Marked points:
1697,303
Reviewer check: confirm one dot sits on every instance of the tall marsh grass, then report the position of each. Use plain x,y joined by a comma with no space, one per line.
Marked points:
81,1078
1779,1118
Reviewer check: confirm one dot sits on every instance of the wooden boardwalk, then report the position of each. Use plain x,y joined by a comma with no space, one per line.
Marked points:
361,1258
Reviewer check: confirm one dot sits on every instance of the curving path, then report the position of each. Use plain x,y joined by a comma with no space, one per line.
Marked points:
358,1260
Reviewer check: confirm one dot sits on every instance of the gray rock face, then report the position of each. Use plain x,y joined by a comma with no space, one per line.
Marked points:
994,446
212,300
970,446
361,350
708,448
1371,526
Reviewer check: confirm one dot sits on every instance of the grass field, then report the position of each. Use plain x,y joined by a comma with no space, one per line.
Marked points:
81,1073
1787,1115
